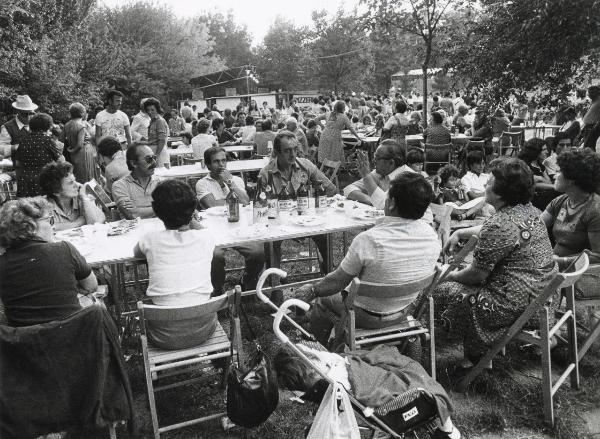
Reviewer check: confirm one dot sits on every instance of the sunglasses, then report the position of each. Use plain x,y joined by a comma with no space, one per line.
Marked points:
149,159
50,219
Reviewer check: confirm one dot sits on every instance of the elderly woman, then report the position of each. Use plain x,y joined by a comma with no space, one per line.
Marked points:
574,217
398,124
39,278
68,203
35,150
78,141
331,146
512,264
437,133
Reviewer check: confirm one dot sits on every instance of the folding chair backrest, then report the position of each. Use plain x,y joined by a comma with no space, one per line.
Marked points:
511,138
174,313
331,169
574,272
387,291
438,153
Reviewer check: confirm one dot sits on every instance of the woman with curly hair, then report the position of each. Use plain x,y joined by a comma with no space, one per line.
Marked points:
575,216
534,152
512,264
39,278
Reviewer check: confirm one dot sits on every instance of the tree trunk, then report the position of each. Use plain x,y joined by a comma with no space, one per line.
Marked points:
428,43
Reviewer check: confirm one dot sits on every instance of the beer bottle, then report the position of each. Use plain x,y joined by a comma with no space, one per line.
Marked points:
272,212
233,205
320,197
302,199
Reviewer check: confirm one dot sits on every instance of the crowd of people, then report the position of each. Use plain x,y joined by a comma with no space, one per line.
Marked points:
541,208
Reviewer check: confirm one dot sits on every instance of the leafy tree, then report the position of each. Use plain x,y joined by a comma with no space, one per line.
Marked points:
530,45
340,51
423,18
282,58
231,40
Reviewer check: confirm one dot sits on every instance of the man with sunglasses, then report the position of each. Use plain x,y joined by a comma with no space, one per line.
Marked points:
12,131
133,193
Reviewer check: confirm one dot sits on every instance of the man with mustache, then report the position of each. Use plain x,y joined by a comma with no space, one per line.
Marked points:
133,193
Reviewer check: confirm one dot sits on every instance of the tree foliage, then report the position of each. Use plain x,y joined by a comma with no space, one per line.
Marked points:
537,44
340,50
231,40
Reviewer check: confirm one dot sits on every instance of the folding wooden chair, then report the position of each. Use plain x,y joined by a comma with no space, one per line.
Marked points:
106,203
437,155
391,335
331,170
512,141
565,281
587,294
160,363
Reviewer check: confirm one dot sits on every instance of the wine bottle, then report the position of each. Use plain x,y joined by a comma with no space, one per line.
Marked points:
302,199
284,200
233,205
260,208
320,197
272,212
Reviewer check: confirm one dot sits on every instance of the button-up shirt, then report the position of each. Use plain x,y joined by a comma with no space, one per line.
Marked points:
115,170
303,171
130,196
395,251
209,185
474,182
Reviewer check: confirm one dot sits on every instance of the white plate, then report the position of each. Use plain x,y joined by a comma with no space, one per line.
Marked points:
307,221
367,214
217,211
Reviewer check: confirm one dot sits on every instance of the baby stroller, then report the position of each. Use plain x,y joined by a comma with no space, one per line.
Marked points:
407,412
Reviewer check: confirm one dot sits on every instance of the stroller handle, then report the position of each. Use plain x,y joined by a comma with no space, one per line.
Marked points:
281,312
261,281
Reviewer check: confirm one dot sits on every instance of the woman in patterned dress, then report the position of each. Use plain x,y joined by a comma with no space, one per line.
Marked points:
512,264
398,124
35,150
331,146
78,141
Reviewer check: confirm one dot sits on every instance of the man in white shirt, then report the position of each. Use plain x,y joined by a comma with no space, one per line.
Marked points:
113,122
211,191
401,248
474,181
202,141
11,131
140,123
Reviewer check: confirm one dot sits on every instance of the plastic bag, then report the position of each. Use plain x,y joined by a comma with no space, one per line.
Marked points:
335,418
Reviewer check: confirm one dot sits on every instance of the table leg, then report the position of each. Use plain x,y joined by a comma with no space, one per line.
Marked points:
329,253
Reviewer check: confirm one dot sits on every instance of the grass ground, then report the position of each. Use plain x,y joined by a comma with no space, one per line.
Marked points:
504,403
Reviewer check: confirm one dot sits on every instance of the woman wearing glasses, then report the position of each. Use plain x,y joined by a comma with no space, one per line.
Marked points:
70,206
39,278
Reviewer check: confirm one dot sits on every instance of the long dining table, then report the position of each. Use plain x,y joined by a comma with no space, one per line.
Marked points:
101,250
181,150
199,170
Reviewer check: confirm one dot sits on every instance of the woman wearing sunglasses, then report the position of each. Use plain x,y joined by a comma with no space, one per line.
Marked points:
39,278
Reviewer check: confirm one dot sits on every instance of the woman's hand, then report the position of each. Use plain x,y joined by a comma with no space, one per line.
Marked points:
453,241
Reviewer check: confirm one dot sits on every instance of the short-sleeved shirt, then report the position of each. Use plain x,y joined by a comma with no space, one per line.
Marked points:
225,136
38,281
201,143
573,224
473,182
113,124
209,185
395,251
302,171
437,135
129,190
60,216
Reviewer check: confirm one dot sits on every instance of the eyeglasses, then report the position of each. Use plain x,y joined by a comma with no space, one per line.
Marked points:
50,219
27,113
150,159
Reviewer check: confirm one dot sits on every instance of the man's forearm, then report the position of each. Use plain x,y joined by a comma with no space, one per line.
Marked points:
360,197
